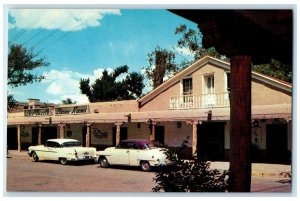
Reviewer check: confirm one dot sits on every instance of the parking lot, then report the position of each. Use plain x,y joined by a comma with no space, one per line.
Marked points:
23,175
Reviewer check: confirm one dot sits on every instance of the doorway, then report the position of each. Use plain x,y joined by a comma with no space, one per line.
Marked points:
277,151
210,141
12,138
47,133
160,134
123,134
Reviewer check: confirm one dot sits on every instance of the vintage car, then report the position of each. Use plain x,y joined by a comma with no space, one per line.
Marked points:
63,150
134,152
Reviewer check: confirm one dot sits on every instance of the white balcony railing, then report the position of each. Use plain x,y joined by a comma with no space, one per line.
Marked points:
199,101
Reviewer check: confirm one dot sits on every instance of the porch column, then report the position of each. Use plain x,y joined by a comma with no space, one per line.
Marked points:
194,124
118,132
19,138
240,124
88,139
152,135
194,144
40,134
61,130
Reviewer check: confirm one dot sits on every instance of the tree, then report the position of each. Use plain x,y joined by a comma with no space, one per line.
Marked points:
108,87
21,62
188,175
275,69
68,101
161,64
192,40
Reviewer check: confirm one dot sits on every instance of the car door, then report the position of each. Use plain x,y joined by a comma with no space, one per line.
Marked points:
51,151
120,155
133,155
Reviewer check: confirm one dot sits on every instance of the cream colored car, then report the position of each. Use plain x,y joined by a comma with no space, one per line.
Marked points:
63,150
134,152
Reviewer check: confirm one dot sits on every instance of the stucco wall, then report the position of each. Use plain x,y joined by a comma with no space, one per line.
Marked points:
208,70
114,106
263,94
161,101
76,130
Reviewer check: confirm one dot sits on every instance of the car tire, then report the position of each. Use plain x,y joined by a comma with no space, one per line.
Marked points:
63,161
103,162
35,157
145,166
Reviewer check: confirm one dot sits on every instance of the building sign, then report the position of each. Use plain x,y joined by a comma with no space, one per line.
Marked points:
71,110
99,134
37,112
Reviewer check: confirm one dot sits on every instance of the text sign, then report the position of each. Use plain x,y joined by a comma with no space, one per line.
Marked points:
37,112
71,110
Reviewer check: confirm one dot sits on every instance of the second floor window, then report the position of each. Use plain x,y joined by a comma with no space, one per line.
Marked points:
187,86
210,84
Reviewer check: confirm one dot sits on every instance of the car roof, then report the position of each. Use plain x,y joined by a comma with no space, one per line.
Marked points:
60,141
136,140
140,142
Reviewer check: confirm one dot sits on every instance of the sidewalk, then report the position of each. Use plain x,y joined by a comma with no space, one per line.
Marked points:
258,169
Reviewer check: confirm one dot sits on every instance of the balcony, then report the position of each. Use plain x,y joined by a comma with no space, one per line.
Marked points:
199,101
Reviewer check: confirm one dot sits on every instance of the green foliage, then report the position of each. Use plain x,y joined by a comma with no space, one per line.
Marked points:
11,103
20,64
189,175
68,101
192,40
275,69
163,62
108,88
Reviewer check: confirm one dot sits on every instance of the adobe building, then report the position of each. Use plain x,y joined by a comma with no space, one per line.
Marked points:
193,105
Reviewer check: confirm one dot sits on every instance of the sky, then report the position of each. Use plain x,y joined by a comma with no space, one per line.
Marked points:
81,43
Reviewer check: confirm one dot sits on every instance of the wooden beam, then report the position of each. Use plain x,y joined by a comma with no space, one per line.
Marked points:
19,138
240,118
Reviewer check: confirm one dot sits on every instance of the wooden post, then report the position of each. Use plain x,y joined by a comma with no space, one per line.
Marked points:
152,135
194,124
19,138
118,132
87,138
194,146
61,131
40,134
240,124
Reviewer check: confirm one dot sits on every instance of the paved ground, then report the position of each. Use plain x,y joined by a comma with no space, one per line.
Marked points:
258,169
25,175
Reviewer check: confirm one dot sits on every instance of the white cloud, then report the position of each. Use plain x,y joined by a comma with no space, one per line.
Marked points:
62,19
65,84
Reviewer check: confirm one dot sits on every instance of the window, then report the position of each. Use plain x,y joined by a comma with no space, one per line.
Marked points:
187,86
228,81
71,144
210,84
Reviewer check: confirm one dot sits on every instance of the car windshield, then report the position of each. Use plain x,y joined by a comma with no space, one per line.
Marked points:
152,145
71,144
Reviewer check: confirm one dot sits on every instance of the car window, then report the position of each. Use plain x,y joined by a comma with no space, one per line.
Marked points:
49,144
71,144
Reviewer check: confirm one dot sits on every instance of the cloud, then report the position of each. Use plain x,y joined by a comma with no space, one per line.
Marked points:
62,19
63,84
